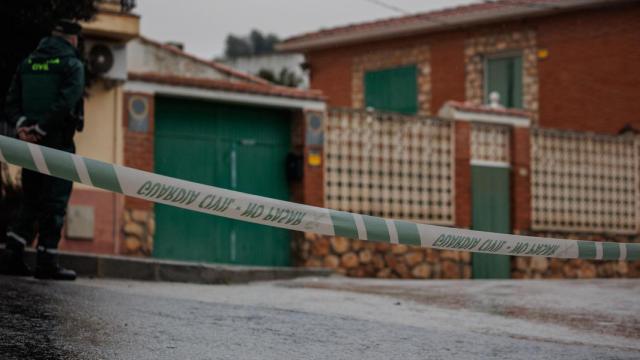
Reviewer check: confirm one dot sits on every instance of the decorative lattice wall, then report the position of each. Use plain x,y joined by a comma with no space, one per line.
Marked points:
389,165
584,182
490,143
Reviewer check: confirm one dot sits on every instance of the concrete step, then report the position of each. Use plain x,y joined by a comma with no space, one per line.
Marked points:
125,267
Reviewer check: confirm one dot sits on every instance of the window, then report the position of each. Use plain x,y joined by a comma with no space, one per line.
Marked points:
504,75
392,89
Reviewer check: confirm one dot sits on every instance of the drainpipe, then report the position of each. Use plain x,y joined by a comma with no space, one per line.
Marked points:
116,144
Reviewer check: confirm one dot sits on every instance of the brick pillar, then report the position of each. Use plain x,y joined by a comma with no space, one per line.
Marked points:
139,128
307,141
138,141
521,197
313,180
314,177
463,174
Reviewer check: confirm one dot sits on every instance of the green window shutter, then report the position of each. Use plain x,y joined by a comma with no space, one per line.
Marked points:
504,75
392,89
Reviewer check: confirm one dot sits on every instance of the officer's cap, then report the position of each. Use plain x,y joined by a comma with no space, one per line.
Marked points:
68,27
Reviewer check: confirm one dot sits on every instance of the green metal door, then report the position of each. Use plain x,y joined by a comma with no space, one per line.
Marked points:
491,212
231,146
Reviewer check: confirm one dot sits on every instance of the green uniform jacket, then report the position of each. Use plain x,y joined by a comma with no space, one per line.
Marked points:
46,92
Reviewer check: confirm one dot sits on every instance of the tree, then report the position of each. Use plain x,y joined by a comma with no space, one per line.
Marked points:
267,75
272,39
289,78
24,23
237,46
256,43
285,77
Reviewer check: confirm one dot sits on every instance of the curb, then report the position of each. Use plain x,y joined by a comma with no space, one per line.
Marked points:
123,267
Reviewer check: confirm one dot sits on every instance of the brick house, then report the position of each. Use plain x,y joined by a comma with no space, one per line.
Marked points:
545,161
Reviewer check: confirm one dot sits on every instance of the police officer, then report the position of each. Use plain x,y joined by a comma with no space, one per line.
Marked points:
44,102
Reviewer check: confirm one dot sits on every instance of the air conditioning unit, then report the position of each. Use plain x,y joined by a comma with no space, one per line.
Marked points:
107,59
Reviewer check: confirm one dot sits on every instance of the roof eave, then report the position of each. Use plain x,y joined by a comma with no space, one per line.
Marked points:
195,92
483,114
437,24
226,86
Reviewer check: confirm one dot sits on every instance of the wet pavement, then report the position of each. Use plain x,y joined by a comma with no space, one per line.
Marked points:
320,318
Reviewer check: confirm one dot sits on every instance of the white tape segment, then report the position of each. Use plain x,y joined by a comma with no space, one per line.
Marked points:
277,213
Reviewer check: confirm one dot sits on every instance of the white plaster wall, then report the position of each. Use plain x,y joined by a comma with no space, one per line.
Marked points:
144,57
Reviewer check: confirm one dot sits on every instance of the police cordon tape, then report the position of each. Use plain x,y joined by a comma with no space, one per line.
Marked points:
277,213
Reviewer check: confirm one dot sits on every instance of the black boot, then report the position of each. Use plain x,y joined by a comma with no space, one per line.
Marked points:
47,266
12,262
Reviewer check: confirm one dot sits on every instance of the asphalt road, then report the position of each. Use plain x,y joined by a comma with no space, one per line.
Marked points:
320,319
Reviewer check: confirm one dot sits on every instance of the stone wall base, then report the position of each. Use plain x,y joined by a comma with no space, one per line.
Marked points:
357,258
365,259
544,268
139,228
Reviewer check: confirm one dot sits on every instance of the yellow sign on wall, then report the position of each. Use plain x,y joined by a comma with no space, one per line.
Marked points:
314,158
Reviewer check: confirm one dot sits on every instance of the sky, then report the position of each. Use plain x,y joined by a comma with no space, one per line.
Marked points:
202,25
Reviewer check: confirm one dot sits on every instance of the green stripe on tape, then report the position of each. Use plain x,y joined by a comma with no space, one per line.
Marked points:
586,249
633,251
610,251
344,224
376,228
17,152
407,233
60,164
102,175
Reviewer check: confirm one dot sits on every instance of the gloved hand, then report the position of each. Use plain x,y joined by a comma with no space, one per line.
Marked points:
26,134
26,130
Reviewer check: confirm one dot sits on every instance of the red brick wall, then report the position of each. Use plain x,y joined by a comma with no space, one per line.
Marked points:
447,69
591,79
463,174
309,190
106,213
139,148
521,180
588,82
331,72
313,179
331,69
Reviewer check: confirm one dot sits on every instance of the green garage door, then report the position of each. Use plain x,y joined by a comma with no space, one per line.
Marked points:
230,146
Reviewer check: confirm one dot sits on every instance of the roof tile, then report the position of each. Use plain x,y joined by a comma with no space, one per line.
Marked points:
225,85
216,65
437,16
